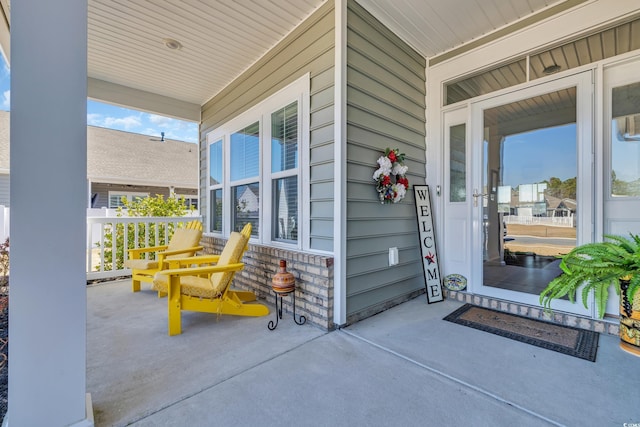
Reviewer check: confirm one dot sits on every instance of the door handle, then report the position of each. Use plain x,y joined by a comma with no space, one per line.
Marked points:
476,195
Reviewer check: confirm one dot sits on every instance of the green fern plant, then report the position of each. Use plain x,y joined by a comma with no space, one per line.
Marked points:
597,266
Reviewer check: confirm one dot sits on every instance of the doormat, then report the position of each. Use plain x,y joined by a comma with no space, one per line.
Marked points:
563,339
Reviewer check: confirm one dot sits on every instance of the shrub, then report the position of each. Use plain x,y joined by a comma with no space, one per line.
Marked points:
4,263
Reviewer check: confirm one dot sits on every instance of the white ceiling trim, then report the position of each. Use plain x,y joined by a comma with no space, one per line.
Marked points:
112,93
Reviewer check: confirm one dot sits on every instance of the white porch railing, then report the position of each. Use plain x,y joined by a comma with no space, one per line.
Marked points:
97,246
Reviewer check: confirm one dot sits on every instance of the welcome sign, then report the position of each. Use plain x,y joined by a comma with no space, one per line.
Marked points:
433,284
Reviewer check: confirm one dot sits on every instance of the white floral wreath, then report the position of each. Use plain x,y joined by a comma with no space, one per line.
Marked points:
390,165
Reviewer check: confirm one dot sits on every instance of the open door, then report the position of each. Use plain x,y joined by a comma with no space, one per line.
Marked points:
532,186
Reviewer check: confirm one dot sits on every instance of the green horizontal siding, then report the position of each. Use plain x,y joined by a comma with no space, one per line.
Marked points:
385,108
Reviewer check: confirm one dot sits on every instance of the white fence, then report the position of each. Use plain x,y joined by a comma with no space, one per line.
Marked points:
100,244
555,221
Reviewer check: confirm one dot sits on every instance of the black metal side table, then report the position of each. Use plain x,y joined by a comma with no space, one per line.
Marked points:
272,325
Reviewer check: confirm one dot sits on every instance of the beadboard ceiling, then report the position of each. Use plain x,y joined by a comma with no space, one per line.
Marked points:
220,39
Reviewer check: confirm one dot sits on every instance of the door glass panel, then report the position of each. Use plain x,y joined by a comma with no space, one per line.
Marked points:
457,164
529,190
625,141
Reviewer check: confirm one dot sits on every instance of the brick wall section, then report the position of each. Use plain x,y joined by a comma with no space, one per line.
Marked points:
566,319
313,273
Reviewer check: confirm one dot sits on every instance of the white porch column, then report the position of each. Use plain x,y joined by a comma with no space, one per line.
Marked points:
47,325
340,166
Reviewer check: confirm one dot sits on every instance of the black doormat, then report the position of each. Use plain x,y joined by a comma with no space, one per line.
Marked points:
563,339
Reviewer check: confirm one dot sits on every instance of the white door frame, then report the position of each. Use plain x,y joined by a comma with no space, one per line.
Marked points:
620,214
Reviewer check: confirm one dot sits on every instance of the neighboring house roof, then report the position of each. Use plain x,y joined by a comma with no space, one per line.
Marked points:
557,203
119,157
129,158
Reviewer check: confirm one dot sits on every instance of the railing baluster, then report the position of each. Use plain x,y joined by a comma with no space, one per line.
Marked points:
125,252
102,247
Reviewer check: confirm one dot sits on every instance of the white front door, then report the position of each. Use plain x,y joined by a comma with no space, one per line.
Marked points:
621,193
531,192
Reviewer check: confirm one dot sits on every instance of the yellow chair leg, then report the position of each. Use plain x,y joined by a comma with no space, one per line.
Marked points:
244,296
238,308
135,285
175,327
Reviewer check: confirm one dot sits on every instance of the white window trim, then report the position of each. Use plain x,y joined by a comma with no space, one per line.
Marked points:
299,91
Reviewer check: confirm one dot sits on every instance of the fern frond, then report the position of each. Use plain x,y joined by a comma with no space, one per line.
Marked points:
601,297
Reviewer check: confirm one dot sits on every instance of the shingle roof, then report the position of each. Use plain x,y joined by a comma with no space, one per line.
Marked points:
115,156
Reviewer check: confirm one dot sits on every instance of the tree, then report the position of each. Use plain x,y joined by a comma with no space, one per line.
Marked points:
562,189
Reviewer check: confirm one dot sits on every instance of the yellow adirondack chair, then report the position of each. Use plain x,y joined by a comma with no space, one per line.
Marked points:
207,289
184,243
204,260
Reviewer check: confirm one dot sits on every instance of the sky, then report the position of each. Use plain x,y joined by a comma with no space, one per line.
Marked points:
536,156
115,117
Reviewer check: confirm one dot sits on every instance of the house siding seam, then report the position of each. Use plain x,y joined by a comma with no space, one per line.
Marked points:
385,108
308,49
313,273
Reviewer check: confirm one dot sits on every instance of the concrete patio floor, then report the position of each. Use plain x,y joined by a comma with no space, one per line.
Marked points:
403,367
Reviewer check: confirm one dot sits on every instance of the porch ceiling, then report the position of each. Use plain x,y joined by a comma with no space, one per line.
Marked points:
221,39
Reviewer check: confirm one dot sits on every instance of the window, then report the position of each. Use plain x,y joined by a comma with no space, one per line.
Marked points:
244,178
625,135
255,169
284,165
215,186
575,53
215,210
115,198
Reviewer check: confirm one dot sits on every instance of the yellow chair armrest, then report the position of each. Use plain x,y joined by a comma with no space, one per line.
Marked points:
135,253
162,255
180,251
188,261
197,271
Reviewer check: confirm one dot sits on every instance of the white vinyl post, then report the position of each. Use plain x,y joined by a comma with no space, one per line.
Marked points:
340,166
47,324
